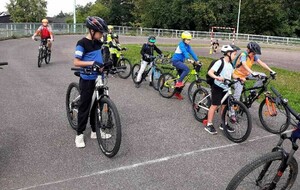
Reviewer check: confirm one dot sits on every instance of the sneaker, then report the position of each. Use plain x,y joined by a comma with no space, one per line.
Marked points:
179,84
178,96
137,85
229,128
104,135
150,84
210,129
233,119
79,141
93,135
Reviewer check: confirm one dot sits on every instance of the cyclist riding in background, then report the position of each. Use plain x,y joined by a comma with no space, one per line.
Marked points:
215,46
45,31
182,52
243,65
106,40
87,55
147,52
114,48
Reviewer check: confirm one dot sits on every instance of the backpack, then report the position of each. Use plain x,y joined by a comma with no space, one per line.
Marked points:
209,79
234,63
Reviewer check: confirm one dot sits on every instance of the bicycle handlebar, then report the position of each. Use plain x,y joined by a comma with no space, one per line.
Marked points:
3,63
293,112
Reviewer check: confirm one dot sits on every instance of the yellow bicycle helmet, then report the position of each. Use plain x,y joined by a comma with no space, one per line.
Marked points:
186,35
44,21
110,27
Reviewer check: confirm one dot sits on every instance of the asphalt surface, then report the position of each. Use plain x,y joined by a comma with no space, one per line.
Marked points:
163,146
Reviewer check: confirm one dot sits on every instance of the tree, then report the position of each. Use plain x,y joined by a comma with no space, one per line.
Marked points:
27,10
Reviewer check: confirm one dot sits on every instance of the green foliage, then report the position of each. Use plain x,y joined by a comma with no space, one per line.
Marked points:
27,10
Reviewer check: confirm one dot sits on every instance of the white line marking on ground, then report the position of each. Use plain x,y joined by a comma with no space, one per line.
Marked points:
128,167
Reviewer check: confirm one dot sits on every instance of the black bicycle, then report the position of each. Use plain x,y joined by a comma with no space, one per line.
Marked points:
155,72
2,64
275,170
44,53
106,114
269,112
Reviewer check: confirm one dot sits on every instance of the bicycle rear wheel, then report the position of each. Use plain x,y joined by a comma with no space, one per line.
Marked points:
274,117
134,73
166,85
156,73
260,173
108,122
201,103
237,116
126,68
40,57
72,104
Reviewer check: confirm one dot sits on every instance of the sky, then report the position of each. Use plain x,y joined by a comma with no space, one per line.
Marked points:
54,6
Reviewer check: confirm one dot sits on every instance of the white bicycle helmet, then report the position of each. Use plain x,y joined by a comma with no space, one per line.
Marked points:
229,48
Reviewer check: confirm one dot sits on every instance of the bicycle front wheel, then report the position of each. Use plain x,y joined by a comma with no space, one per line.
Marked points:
237,116
40,58
126,68
275,118
201,103
166,85
72,104
192,88
156,73
47,57
108,127
260,173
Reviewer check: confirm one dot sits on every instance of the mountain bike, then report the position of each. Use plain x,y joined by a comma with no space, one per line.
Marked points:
275,170
123,65
2,64
107,117
242,122
44,53
167,81
269,111
155,73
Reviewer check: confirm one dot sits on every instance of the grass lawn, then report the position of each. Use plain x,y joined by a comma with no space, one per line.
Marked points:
285,83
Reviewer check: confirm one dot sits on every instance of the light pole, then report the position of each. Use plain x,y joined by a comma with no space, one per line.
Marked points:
238,20
74,17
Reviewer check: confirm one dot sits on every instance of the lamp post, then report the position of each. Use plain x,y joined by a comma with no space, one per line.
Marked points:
74,17
238,20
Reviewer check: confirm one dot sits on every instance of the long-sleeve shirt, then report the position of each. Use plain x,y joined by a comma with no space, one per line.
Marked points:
149,50
183,51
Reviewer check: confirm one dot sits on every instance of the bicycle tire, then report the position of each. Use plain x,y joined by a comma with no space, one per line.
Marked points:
156,73
166,85
72,107
128,67
40,58
47,57
134,73
267,120
107,111
192,88
243,119
201,103
237,181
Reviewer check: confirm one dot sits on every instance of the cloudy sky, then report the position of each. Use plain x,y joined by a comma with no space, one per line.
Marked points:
54,6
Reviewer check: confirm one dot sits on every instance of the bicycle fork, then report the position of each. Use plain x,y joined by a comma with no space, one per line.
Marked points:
270,103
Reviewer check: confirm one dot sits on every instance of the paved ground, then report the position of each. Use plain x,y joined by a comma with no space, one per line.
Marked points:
163,146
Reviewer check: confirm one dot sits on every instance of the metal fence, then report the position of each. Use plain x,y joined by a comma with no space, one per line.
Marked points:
11,30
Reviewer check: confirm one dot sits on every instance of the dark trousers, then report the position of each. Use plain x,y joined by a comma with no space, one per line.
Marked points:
114,59
86,94
106,54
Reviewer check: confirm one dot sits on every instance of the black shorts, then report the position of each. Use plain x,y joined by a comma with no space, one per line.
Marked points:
217,93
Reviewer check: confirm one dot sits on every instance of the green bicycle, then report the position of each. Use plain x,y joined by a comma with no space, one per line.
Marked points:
167,81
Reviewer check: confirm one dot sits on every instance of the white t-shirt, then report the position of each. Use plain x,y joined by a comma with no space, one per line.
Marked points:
226,72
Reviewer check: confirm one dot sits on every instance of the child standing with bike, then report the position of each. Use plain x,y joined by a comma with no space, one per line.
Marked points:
217,88
88,55
182,52
244,63
147,53
114,48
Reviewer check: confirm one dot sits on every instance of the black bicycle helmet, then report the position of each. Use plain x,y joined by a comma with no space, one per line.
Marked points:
254,47
114,36
152,39
96,23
